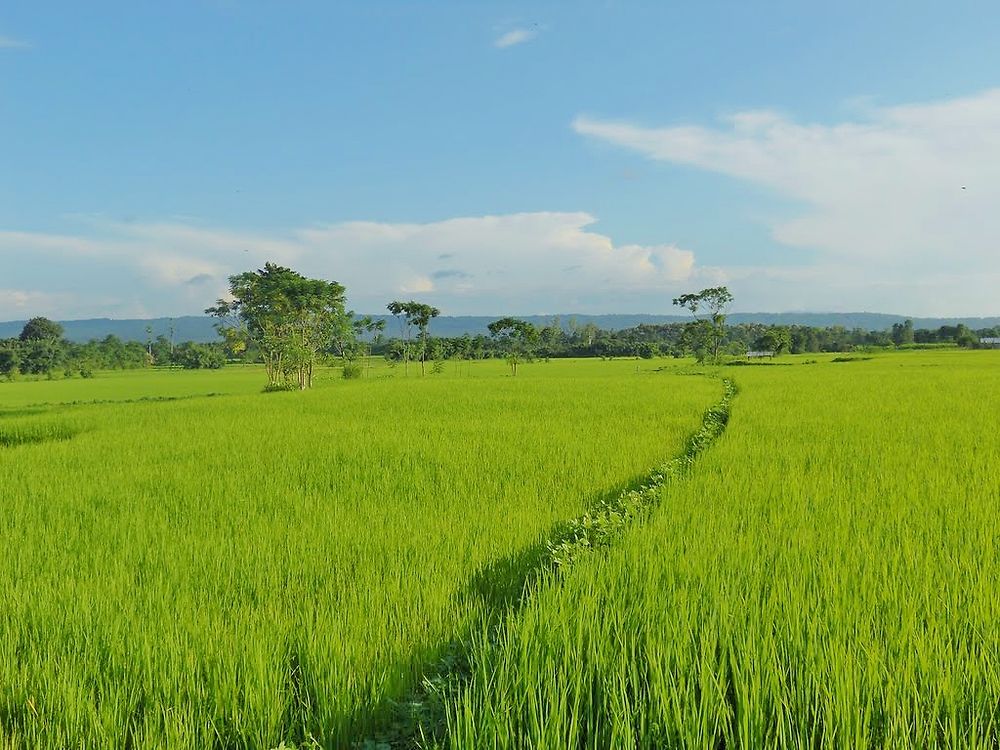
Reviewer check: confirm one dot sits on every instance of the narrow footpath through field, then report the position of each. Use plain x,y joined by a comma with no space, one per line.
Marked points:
507,585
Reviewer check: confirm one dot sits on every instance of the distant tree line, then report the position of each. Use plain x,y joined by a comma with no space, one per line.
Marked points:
42,350
526,342
289,323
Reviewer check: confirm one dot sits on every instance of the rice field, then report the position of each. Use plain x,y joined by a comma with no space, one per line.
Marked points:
826,577
246,570
221,568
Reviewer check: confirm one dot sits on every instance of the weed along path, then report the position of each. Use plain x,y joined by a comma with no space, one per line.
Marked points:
503,588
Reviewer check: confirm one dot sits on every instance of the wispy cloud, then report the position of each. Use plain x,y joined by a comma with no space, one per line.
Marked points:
900,194
19,302
515,36
7,42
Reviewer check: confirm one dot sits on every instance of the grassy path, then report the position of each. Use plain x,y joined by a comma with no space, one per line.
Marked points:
826,578
504,587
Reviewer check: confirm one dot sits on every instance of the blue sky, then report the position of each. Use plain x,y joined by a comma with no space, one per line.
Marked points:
501,157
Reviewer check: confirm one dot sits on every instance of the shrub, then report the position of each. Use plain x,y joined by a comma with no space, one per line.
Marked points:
279,387
192,356
352,370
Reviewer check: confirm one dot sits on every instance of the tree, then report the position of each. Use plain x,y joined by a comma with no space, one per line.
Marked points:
285,316
42,347
965,337
712,302
777,340
902,333
516,337
42,356
696,338
369,331
414,314
41,329
10,359
192,356
160,349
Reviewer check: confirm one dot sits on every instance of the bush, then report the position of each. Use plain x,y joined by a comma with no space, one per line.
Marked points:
352,371
279,387
192,356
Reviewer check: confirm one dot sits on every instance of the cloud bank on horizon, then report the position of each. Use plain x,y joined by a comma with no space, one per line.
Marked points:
894,212
488,264
901,203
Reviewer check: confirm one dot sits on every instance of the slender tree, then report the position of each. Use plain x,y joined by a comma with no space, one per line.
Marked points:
711,303
369,331
412,314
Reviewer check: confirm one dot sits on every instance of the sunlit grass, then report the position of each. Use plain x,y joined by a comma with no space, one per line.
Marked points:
827,577
243,570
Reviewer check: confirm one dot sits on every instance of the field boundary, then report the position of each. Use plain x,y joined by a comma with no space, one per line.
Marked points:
505,586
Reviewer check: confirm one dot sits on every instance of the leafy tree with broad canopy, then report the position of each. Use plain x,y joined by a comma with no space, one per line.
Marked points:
518,337
776,339
41,329
706,333
288,318
42,347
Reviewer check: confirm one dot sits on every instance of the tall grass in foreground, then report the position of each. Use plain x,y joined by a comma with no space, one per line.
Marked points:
240,571
828,577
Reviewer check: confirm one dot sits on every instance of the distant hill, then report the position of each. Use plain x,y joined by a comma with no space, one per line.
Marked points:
201,328
186,328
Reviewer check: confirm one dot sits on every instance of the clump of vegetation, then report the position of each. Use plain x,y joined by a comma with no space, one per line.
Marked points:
192,356
34,432
517,339
287,319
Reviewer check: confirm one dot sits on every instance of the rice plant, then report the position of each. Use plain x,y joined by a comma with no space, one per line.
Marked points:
246,570
826,577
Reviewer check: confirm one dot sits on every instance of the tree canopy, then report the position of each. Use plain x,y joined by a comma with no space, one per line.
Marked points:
706,333
287,317
417,314
41,329
518,337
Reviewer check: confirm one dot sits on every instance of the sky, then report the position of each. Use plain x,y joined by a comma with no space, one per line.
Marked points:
501,157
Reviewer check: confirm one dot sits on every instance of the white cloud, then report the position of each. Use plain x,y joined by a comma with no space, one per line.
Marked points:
514,37
7,42
19,303
516,263
905,194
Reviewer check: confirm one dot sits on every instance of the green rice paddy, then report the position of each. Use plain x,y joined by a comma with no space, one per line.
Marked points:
244,570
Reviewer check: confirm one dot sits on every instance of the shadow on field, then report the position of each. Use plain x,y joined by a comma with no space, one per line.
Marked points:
500,589
12,435
24,411
503,587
